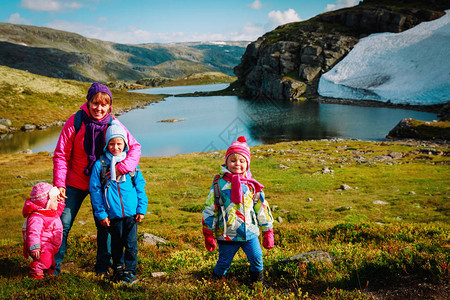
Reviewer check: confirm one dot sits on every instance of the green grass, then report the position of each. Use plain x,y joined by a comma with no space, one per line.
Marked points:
371,245
51,99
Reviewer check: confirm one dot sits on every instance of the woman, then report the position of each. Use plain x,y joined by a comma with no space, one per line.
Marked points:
80,144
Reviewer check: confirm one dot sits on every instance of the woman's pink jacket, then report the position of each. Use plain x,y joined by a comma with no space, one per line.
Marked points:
70,159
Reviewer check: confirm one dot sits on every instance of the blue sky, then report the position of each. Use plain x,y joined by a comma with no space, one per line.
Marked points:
164,21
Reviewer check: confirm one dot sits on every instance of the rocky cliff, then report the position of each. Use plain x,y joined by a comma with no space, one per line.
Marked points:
287,62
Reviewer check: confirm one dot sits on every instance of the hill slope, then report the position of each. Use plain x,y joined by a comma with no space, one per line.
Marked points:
61,54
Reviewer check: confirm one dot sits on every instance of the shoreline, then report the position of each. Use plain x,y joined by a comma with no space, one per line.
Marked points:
434,108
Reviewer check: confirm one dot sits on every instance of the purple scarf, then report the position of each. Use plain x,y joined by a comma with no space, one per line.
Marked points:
93,139
236,189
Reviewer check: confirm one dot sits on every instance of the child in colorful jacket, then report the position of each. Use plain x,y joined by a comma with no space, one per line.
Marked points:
42,230
119,203
241,210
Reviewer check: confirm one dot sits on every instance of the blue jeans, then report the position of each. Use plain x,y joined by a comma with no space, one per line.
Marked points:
227,250
124,235
74,200
103,248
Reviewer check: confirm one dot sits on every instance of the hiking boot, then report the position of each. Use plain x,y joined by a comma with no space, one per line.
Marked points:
103,275
36,276
258,277
128,277
216,277
49,272
118,273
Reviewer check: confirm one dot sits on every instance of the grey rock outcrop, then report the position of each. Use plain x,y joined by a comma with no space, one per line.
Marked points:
286,63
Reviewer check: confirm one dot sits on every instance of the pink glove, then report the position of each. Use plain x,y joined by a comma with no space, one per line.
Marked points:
210,242
268,239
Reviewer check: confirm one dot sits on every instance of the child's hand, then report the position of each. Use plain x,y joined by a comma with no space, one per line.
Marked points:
210,242
105,222
35,254
268,239
139,218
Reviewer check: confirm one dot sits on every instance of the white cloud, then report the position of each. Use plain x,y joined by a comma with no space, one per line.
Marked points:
341,4
255,5
50,5
277,18
17,19
133,35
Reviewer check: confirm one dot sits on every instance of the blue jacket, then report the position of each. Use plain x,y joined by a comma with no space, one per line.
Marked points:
119,200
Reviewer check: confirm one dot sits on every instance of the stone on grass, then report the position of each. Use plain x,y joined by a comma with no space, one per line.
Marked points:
379,202
153,240
310,256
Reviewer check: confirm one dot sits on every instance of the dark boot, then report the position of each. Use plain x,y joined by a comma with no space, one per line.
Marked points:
118,273
257,277
216,277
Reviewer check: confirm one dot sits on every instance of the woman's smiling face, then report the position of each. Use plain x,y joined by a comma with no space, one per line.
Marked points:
99,106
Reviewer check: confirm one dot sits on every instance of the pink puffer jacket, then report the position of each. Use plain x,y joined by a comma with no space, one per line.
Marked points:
70,159
42,229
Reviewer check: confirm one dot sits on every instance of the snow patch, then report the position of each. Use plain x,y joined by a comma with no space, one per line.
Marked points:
411,67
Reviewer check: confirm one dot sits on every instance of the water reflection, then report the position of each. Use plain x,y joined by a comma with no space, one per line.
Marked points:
37,140
271,122
212,123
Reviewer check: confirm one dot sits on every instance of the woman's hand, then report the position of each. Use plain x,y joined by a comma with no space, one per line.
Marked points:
62,194
118,174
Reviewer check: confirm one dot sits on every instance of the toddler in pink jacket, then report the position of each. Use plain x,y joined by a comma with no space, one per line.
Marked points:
42,230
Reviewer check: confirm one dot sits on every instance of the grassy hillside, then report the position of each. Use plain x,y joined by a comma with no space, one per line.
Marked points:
388,235
29,98
60,54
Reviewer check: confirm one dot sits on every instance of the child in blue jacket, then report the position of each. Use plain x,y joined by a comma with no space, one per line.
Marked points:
119,203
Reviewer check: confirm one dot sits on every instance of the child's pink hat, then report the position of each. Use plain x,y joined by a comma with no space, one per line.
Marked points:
240,146
39,194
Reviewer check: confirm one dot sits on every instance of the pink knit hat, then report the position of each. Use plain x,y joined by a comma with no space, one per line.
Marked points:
240,146
39,194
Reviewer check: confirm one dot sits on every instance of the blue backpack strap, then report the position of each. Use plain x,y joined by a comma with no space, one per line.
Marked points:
77,121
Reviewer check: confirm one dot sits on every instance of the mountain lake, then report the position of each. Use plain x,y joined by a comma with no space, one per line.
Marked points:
181,125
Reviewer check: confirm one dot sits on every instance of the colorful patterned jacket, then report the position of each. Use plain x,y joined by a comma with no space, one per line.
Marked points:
242,220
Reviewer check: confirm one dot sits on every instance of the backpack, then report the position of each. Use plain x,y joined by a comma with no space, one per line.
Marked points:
106,168
77,121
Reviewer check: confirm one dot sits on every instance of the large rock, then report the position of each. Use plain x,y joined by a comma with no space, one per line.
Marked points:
287,62
416,129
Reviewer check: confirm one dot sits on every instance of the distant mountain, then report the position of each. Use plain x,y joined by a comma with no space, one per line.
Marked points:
61,54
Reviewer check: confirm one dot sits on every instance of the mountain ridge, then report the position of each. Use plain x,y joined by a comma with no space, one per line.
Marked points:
60,54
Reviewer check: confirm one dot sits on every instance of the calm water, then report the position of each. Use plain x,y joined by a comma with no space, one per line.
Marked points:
212,123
